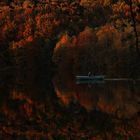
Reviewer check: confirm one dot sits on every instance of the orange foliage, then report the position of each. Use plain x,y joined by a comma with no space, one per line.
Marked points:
108,35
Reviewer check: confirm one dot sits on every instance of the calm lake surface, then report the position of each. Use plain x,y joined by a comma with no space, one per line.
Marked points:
60,109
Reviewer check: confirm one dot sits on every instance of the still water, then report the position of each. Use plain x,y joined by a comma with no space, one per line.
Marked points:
60,109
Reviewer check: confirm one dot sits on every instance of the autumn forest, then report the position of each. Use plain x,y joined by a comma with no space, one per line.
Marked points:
44,44
33,31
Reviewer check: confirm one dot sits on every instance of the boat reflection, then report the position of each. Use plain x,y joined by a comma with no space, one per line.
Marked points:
119,98
40,109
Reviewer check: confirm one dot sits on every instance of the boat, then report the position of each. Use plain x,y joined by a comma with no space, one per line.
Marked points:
91,78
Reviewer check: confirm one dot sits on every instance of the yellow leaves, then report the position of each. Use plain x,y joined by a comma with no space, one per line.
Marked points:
27,108
28,12
29,28
85,38
9,27
27,104
46,24
106,29
122,10
65,41
65,98
108,34
30,39
18,44
119,6
27,4
94,3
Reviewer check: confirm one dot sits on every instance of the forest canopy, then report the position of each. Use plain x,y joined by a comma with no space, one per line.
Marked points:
36,27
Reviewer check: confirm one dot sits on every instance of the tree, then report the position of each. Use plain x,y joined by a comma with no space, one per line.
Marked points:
134,27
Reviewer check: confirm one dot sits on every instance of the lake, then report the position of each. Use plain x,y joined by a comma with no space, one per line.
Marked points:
60,109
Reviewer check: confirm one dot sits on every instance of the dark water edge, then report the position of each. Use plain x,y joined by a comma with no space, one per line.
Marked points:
34,106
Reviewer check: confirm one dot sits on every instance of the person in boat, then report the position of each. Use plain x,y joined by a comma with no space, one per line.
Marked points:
90,74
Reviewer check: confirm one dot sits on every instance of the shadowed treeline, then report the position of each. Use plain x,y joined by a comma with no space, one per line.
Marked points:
30,31
105,51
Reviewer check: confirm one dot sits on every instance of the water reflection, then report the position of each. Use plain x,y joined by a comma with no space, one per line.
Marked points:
36,108
121,99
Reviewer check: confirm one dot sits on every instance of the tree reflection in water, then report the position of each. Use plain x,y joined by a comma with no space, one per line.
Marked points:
38,109
119,98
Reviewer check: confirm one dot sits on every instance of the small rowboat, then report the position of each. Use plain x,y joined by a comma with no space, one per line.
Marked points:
91,78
